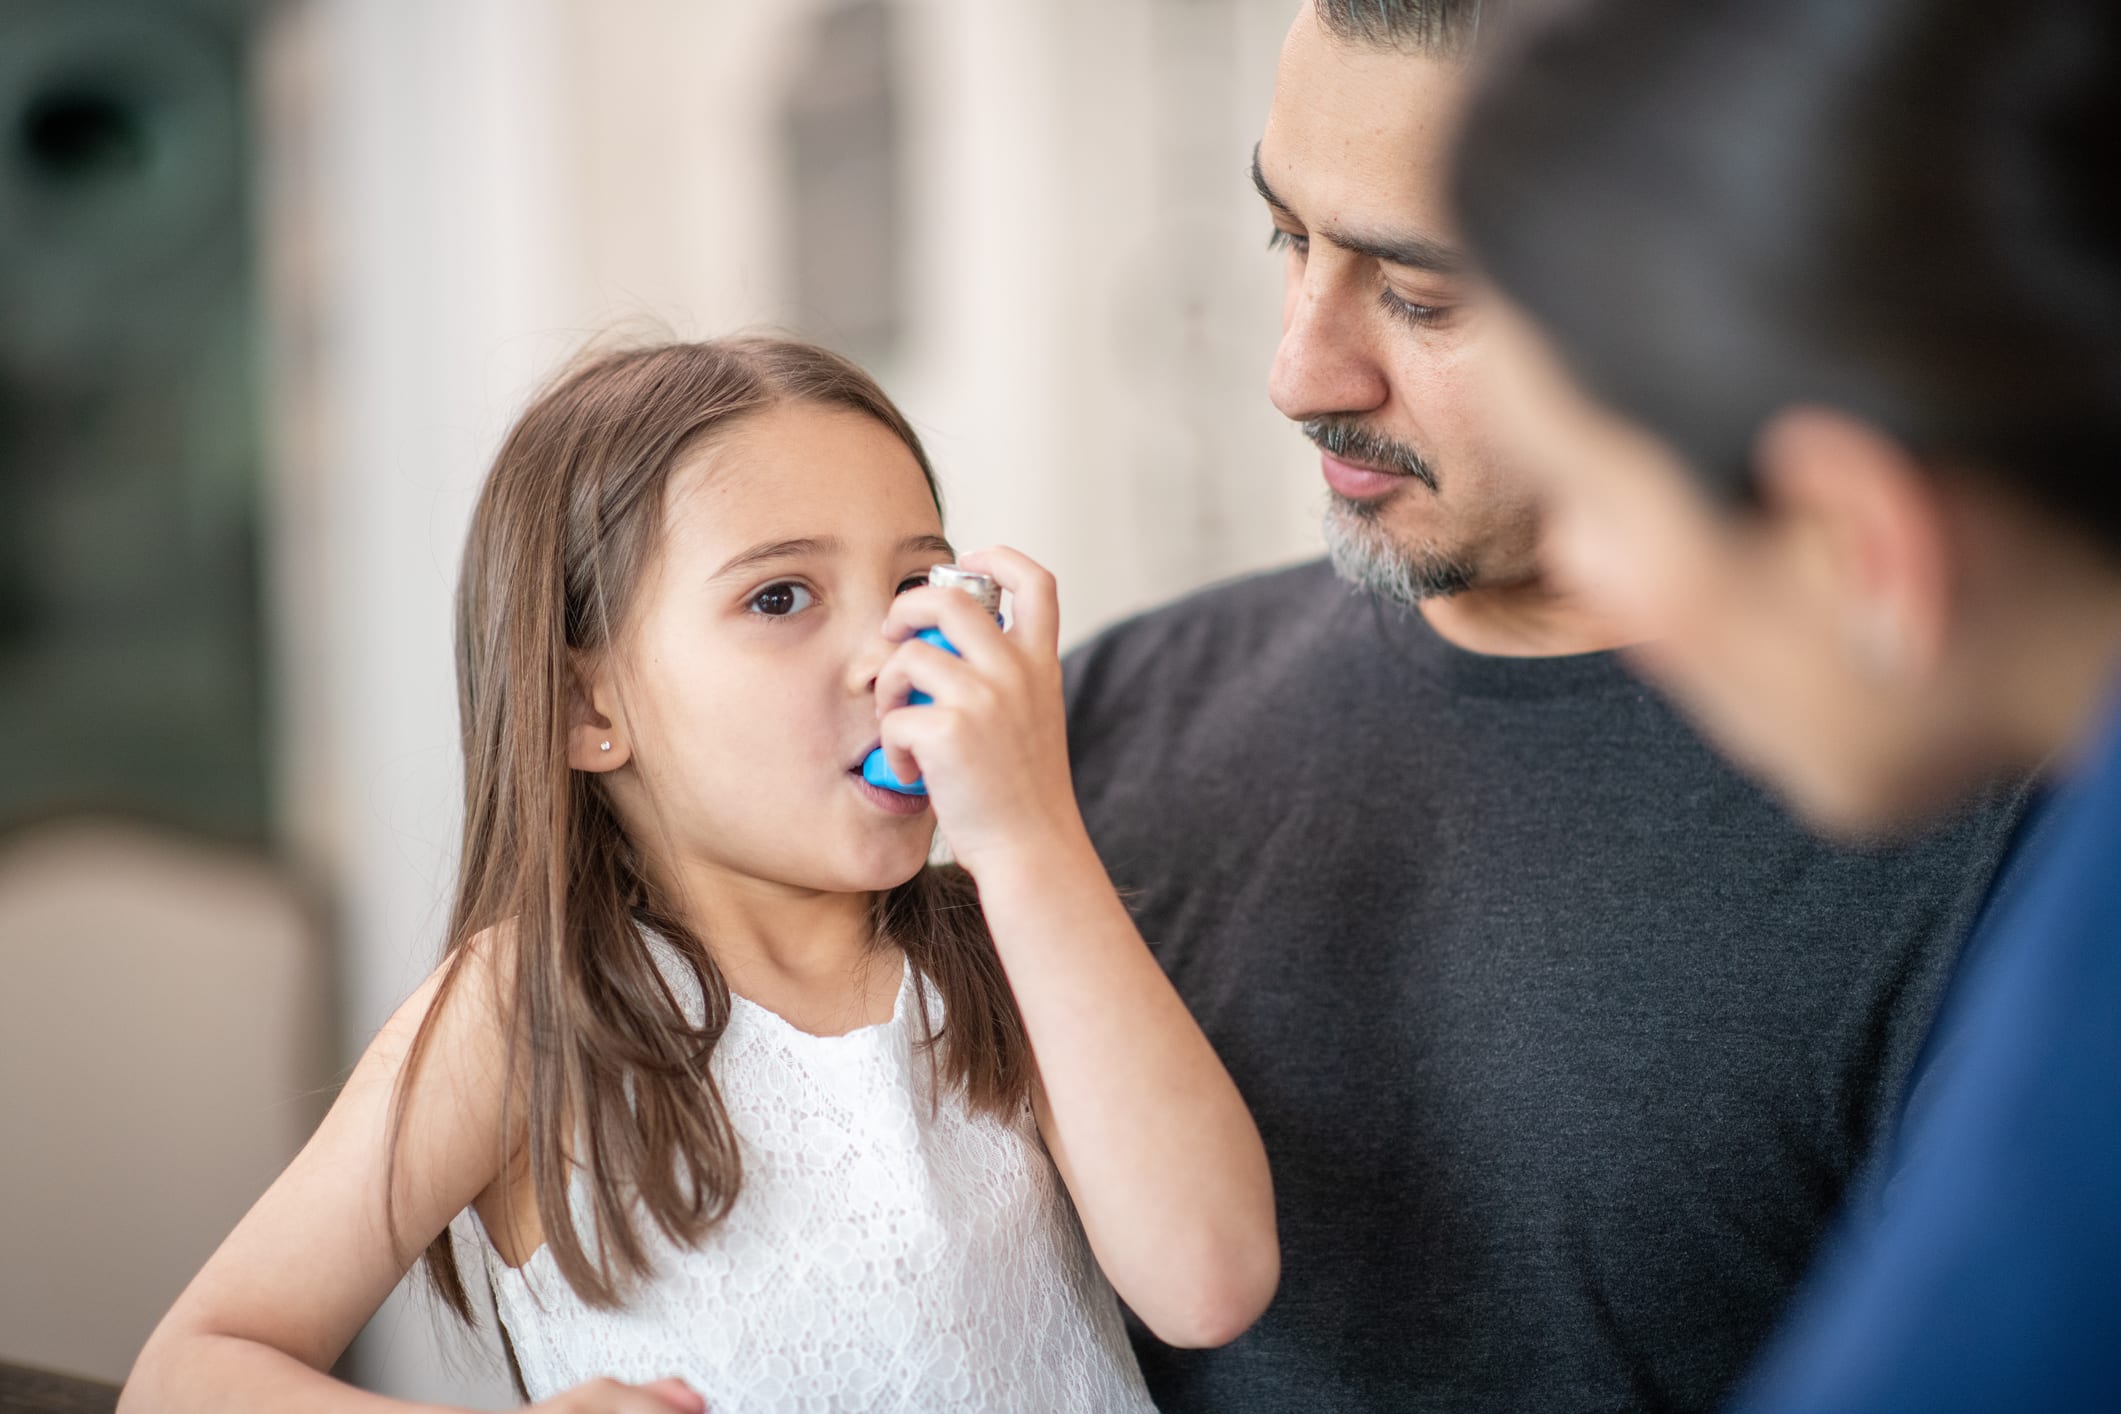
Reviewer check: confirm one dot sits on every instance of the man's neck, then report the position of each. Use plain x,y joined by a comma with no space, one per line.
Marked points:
1528,620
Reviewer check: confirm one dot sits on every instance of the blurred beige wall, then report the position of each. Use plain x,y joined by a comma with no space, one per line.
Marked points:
167,1040
1092,309
459,194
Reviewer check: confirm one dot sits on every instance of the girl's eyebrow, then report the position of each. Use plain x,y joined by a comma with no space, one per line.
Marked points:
779,550
768,551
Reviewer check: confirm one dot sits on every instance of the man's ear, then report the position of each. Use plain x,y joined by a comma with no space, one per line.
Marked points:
594,740
1874,523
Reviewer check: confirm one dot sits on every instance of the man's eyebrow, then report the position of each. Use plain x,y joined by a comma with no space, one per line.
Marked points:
1266,193
1414,252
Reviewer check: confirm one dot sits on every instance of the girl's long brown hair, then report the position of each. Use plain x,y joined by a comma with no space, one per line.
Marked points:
605,1070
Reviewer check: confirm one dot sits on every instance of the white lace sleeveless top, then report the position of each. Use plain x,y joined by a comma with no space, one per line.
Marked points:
882,1253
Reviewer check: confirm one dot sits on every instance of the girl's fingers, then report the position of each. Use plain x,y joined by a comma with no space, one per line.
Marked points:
970,629
1031,585
676,1394
918,664
608,1396
905,734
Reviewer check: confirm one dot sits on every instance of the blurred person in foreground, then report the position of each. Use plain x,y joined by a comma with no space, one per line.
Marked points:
1825,384
1566,1043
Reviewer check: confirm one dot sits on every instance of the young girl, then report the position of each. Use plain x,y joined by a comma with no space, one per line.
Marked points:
748,1101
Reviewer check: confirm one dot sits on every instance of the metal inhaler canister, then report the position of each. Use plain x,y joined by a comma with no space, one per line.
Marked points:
875,769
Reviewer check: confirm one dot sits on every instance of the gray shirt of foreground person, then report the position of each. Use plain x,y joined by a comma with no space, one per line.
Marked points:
1566,1044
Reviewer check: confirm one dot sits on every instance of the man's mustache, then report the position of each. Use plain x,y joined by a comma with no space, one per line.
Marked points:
1350,440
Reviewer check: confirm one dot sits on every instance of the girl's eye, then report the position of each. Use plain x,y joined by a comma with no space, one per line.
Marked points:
914,582
1279,239
778,601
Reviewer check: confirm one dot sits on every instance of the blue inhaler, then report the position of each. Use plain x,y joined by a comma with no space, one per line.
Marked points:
875,769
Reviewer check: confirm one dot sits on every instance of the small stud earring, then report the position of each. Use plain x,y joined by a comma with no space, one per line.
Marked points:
605,747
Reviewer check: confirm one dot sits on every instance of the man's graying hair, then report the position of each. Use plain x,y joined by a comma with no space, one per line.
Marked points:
1448,28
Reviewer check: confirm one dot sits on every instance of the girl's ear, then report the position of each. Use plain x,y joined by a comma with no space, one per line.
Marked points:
594,741
1873,525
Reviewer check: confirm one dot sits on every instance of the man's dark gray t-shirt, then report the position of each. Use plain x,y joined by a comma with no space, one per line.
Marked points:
1565,1042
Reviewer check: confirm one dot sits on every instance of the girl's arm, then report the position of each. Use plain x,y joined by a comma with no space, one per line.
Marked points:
1157,1148
285,1294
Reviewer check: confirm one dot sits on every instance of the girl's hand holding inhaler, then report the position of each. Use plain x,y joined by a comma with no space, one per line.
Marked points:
991,744
1158,1151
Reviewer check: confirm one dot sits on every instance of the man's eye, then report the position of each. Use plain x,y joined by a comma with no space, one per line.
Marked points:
778,601
1426,316
1279,239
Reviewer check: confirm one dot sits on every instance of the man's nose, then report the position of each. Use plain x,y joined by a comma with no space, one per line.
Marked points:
1324,364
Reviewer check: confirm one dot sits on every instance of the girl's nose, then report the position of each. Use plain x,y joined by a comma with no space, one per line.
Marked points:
868,661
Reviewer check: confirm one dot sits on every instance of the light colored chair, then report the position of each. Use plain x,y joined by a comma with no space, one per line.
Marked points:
165,1048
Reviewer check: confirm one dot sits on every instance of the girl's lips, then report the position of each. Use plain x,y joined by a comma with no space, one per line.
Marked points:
888,801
